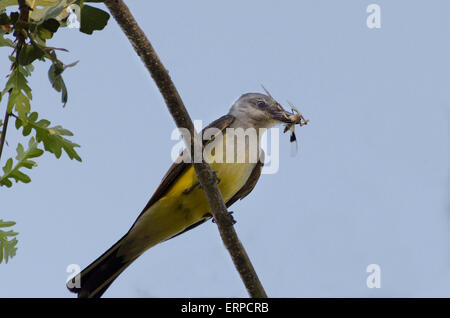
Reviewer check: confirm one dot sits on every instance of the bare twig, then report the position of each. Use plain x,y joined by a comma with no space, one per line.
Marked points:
4,128
144,49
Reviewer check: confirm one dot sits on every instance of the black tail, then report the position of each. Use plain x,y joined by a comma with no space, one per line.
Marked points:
95,279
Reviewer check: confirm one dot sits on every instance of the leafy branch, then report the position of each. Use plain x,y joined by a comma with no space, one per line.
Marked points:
23,161
51,137
7,246
25,30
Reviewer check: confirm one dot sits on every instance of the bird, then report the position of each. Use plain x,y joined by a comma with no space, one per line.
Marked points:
179,204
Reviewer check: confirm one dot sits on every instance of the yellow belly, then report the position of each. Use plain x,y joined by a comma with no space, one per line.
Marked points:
178,210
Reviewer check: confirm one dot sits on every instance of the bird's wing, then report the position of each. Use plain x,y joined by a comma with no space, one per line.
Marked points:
248,186
177,169
242,193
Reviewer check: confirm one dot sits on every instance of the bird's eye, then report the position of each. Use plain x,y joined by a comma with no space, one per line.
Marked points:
261,104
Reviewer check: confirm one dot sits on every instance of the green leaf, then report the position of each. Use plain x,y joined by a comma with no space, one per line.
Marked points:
7,224
4,41
14,16
55,77
92,19
45,31
51,24
44,35
29,53
4,19
7,242
19,92
17,81
19,102
40,15
52,137
23,161
7,3
26,70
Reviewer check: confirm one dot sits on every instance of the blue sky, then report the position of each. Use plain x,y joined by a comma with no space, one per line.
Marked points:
369,185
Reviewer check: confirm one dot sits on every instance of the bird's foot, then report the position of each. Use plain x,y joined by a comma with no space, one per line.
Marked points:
230,218
215,172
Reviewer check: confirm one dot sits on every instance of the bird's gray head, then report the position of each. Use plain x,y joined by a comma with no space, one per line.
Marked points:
259,111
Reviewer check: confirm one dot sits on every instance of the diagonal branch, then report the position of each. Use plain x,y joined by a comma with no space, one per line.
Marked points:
4,128
144,49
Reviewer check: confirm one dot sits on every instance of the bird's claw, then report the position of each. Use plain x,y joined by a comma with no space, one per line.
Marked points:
229,217
215,172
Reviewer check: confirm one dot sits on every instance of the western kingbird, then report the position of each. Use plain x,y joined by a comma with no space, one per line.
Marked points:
179,203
